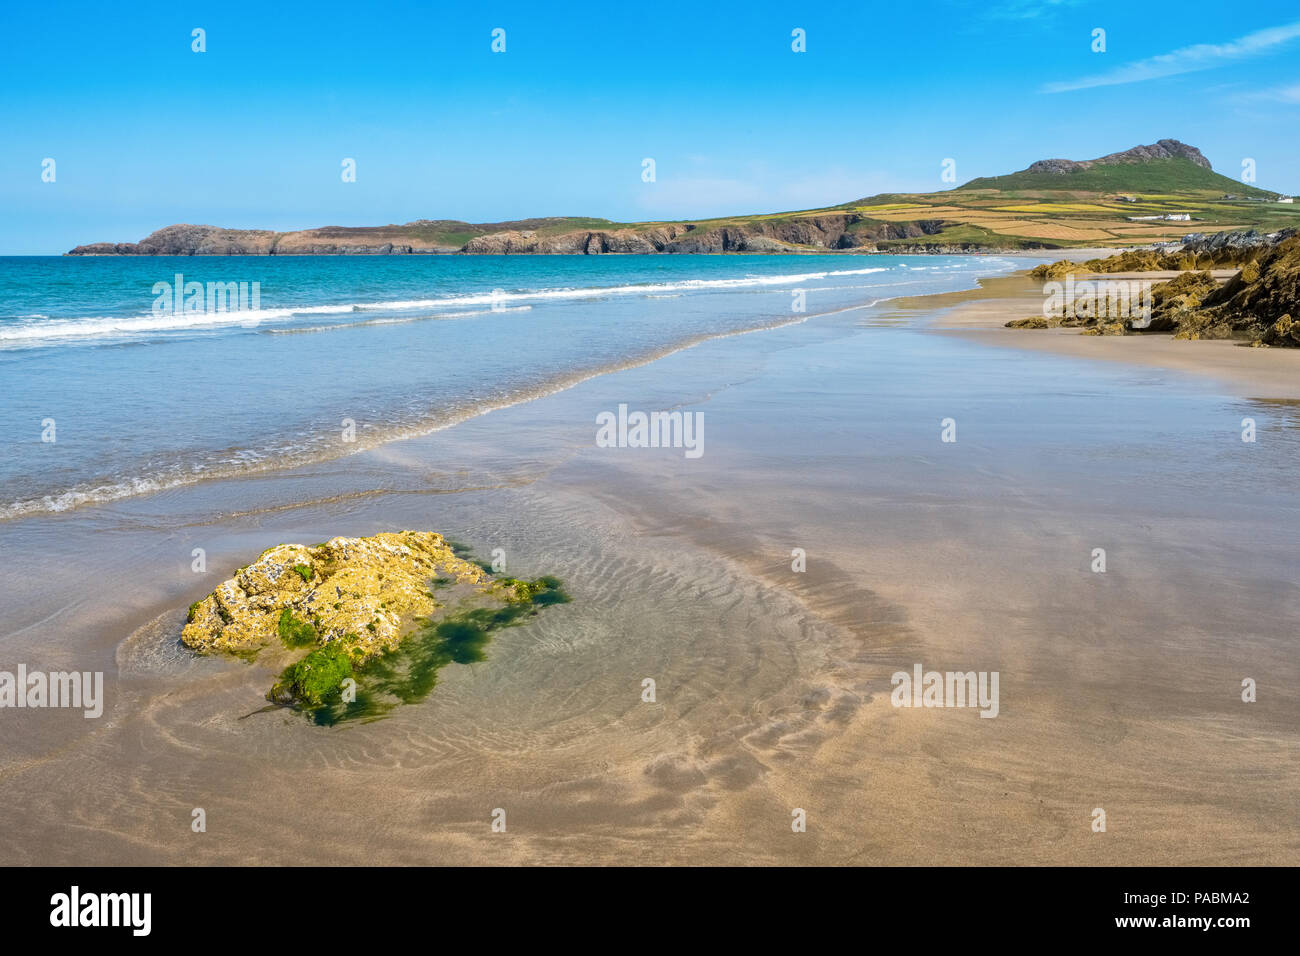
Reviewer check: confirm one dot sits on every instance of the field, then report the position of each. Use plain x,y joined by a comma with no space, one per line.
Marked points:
1077,209
1083,208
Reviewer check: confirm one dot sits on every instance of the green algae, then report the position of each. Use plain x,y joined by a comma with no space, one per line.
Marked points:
316,678
314,685
293,632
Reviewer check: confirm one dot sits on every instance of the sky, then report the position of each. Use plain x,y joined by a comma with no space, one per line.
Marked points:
252,132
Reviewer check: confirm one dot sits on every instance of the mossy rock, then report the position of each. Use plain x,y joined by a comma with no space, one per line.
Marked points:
1106,328
340,586
1285,331
352,602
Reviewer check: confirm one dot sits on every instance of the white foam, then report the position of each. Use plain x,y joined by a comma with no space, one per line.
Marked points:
301,330
107,326
246,462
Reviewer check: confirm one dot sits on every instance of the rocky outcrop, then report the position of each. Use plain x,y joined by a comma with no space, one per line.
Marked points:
187,240
1226,246
351,601
1260,303
1163,149
1195,251
361,591
1172,301
106,249
1032,322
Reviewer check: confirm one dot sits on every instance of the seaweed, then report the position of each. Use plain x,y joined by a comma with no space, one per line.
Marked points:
316,678
293,632
409,672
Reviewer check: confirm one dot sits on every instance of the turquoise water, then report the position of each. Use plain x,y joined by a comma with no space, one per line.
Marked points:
342,353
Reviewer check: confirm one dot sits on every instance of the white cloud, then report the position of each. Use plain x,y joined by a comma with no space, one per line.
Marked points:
1278,94
1202,56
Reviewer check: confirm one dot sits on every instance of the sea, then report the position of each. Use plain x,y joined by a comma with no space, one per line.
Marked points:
125,376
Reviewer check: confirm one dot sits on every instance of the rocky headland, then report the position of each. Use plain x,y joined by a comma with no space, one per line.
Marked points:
847,232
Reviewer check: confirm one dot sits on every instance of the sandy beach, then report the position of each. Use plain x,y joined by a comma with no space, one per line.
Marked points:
980,317
1119,690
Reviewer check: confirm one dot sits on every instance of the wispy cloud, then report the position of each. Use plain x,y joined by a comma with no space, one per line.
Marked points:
1202,56
1027,9
1277,94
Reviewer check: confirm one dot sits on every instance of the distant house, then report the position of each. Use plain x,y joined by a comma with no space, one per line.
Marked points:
1127,198
1287,199
1169,217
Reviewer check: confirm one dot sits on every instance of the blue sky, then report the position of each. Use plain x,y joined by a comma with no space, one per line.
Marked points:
252,132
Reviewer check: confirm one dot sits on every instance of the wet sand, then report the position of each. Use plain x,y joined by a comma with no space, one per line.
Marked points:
1118,690
1241,370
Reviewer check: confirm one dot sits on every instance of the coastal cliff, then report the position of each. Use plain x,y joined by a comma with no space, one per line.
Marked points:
850,231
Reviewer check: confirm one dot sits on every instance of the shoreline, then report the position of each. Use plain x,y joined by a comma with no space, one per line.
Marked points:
1264,373
144,487
265,456
774,686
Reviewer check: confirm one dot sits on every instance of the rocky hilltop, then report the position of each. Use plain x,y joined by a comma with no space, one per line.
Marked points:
1162,149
